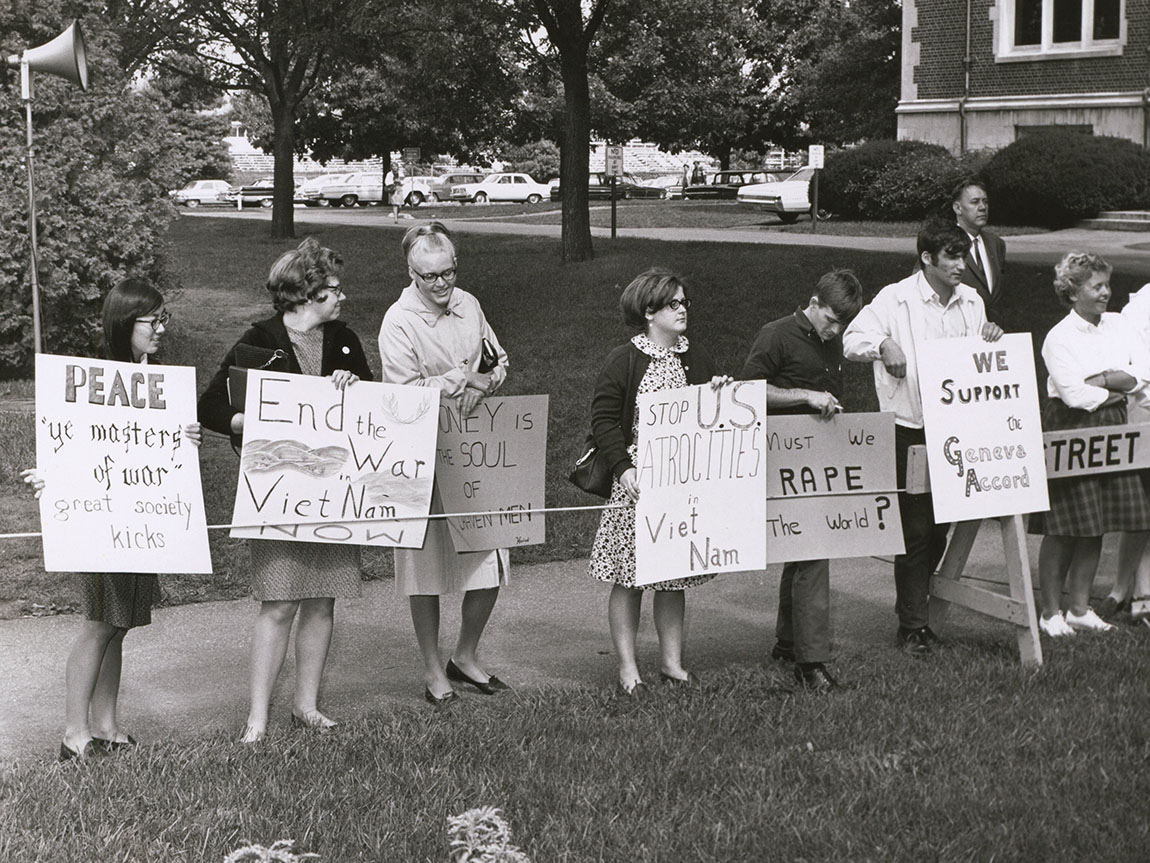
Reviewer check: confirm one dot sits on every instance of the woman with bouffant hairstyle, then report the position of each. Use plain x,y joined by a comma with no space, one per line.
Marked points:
294,578
1096,360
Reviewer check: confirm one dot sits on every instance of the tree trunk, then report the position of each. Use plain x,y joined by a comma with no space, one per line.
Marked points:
574,159
283,149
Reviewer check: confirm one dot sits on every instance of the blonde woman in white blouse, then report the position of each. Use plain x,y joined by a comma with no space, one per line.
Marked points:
1095,360
433,336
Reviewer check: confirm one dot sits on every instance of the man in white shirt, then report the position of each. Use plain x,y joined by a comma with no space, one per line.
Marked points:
932,303
986,260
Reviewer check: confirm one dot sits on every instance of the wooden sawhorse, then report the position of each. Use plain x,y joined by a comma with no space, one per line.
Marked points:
1017,607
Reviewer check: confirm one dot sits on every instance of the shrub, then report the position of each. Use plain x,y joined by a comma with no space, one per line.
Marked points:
845,185
1056,178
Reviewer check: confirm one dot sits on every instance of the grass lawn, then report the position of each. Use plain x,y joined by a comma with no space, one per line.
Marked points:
962,757
557,322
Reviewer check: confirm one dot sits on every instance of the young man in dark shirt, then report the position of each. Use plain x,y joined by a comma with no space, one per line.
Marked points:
800,358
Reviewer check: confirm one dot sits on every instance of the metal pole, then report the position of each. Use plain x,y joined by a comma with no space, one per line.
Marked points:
815,202
34,275
613,206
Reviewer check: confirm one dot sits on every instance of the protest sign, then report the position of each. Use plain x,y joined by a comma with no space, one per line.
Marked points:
983,429
831,487
494,462
1099,449
121,482
314,454
702,480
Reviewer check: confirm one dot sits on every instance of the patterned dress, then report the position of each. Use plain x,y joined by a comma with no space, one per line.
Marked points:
613,555
290,571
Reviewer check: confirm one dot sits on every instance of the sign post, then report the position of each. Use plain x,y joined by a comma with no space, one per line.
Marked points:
815,159
614,169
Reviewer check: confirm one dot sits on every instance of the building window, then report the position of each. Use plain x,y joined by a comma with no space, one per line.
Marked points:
1037,29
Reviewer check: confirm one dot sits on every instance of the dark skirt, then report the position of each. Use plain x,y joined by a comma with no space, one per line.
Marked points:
1091,504
121,599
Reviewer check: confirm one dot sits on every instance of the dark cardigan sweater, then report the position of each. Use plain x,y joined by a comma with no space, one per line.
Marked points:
613,405
341,350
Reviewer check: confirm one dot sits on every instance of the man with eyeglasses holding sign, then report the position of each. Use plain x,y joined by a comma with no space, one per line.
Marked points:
435,335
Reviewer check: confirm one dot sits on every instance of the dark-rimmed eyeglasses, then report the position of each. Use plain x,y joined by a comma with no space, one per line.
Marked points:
157,321
675,305
446,275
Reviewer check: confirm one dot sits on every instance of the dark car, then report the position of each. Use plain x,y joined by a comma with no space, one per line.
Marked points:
258,194
725,185
627,187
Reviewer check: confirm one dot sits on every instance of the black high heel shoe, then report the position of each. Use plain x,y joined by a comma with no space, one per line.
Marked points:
67,753
109,746
488,687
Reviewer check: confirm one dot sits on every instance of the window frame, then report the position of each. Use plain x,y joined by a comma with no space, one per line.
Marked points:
1005,51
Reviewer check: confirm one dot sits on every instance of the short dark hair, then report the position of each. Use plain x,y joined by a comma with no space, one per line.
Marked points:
433,234
842,292
1074,271
299,275
938,235
964,184
129,299
649,291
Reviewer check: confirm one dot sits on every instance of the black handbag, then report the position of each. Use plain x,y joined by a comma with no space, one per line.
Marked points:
488,359
591,472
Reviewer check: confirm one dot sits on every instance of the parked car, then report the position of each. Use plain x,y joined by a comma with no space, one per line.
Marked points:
439,188
627,187
502,187
787,199
257,194
308,192
201,192
416,190
724,185
672,183
351,189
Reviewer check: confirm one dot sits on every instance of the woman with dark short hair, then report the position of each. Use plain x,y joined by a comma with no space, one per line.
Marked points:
658,357
135,321
292,579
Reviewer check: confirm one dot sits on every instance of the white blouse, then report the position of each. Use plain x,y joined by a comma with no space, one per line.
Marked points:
1076,349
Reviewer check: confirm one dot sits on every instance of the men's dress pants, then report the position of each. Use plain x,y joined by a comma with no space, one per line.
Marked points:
925,540
805,609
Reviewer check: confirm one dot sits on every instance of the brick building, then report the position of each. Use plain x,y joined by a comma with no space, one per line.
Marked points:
978,73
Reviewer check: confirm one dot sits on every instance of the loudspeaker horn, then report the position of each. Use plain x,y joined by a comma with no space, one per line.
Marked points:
64,56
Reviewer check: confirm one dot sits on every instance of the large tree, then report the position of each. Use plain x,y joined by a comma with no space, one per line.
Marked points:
571,27
280,50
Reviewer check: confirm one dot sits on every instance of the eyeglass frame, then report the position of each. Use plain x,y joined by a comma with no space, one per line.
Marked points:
432,278
676,304
160,320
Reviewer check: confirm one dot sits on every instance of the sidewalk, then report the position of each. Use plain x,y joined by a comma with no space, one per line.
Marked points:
186,675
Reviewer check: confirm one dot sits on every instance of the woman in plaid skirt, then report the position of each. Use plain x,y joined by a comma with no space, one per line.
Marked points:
1095,360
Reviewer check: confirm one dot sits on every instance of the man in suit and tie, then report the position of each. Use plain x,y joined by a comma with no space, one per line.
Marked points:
986,260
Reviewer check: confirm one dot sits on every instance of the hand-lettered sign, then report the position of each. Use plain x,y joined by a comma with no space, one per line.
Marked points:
314,454
983,429
831,488
121,482
702,481
493,463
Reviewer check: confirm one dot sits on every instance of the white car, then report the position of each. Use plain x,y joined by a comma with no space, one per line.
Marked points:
201,192
416,190
787,199
502,187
